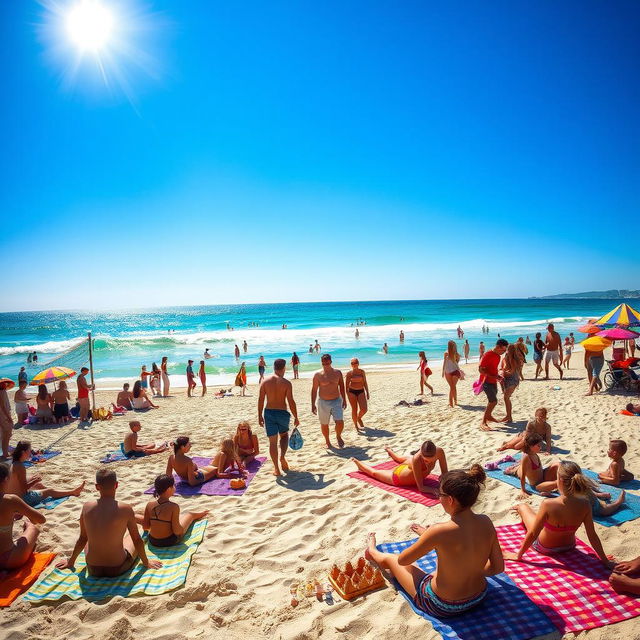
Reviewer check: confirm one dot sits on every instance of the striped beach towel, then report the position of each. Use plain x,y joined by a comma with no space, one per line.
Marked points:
135,582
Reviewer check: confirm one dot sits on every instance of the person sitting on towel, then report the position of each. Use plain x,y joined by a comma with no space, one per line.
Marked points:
15,554
131,448
626,577
109,532
467,548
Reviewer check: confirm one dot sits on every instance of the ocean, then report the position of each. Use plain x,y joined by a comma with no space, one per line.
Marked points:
126,339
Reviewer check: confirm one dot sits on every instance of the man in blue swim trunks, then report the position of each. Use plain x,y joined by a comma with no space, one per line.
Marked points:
328,384
278,393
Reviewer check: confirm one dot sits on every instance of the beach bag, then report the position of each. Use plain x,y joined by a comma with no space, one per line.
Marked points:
477,386
295,440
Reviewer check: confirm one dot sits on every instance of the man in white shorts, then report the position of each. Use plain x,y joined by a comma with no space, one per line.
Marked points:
553,353
329,385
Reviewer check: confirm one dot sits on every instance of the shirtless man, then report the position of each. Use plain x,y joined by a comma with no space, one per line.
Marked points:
109,531
83,394
278,392
553,344
124,397
131,448
333,399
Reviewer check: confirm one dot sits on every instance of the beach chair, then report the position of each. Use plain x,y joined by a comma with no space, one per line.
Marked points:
619,379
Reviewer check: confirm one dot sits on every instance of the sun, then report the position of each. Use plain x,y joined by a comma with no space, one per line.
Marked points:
90,25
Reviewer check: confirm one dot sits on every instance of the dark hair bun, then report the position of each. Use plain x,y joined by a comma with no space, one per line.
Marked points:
477,473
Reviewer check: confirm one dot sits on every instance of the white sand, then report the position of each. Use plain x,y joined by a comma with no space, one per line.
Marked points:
297,527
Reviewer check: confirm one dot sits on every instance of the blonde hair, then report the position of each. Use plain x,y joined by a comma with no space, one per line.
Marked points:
452,350
230,449
244,423
573,481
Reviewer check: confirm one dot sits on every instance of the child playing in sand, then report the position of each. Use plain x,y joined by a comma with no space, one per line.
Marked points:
131,448
616,473
412,470
538,425
162,518
530,469
31,490
246,443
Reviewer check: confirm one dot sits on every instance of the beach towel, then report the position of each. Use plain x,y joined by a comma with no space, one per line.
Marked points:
410,493
135,582
630,510
38,458
115,456
51,503
217,486
624,412
506,613
17,581
571,587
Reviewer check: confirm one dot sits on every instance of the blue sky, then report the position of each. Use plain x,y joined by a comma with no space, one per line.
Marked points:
291,151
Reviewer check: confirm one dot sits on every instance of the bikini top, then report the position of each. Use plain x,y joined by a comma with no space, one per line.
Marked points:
560,529
535,467
156,513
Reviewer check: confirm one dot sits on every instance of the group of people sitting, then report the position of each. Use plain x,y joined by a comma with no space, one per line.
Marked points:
50,408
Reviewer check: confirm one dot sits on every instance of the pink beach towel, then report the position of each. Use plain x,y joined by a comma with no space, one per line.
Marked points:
410,493
572,588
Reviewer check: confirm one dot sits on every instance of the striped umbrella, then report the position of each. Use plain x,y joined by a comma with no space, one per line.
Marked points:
52,374
622,316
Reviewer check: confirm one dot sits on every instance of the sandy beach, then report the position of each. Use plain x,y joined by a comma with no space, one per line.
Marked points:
295,527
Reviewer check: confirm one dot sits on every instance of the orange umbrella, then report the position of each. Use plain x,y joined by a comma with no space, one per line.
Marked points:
596,343
7,381
590,328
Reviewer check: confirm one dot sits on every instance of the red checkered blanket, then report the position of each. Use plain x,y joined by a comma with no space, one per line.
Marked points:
572,588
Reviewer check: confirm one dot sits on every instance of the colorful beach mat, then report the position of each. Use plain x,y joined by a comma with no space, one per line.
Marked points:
39,458
410,493
506,613
630,510
115,456
135,582
13,583
217,486
572,587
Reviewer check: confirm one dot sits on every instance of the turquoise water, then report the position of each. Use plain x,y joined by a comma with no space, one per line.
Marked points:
124,340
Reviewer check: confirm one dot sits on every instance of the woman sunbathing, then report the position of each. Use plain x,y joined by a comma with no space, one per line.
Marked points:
185,467
412,471
530,468
538,425
246,443
140,398
553,529
15,554
31,490
162,518
467,550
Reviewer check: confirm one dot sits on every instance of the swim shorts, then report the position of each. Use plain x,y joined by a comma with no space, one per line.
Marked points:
32,497
276,421
537,356
428,601
552,355
328,408
597,362
491,389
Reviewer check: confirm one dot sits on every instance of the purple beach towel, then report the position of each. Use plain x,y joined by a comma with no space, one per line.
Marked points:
217,486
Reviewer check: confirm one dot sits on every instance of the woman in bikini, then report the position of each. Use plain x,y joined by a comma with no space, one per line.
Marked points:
412,470
227,462
357,392
530,468
61,399
31,490
185,467
510,368
538,425
44,414
425,372
467,550
162,518
553,529
140,398
165,376
451,371
246,443
15,554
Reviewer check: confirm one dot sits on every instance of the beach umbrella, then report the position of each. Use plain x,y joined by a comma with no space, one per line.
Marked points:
618,334
590,328
9,382
52,374
596,343
622,316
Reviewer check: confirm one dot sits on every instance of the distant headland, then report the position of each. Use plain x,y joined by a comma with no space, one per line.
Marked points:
611,294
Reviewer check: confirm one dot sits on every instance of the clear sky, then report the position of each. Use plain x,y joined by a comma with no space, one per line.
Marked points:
290,151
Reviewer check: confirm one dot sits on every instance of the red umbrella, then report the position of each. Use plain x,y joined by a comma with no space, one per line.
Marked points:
590,328
618,334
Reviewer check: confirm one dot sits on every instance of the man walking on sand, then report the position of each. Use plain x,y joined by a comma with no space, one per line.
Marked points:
489,371
329,385
278,392
83,394
109,532
553,343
